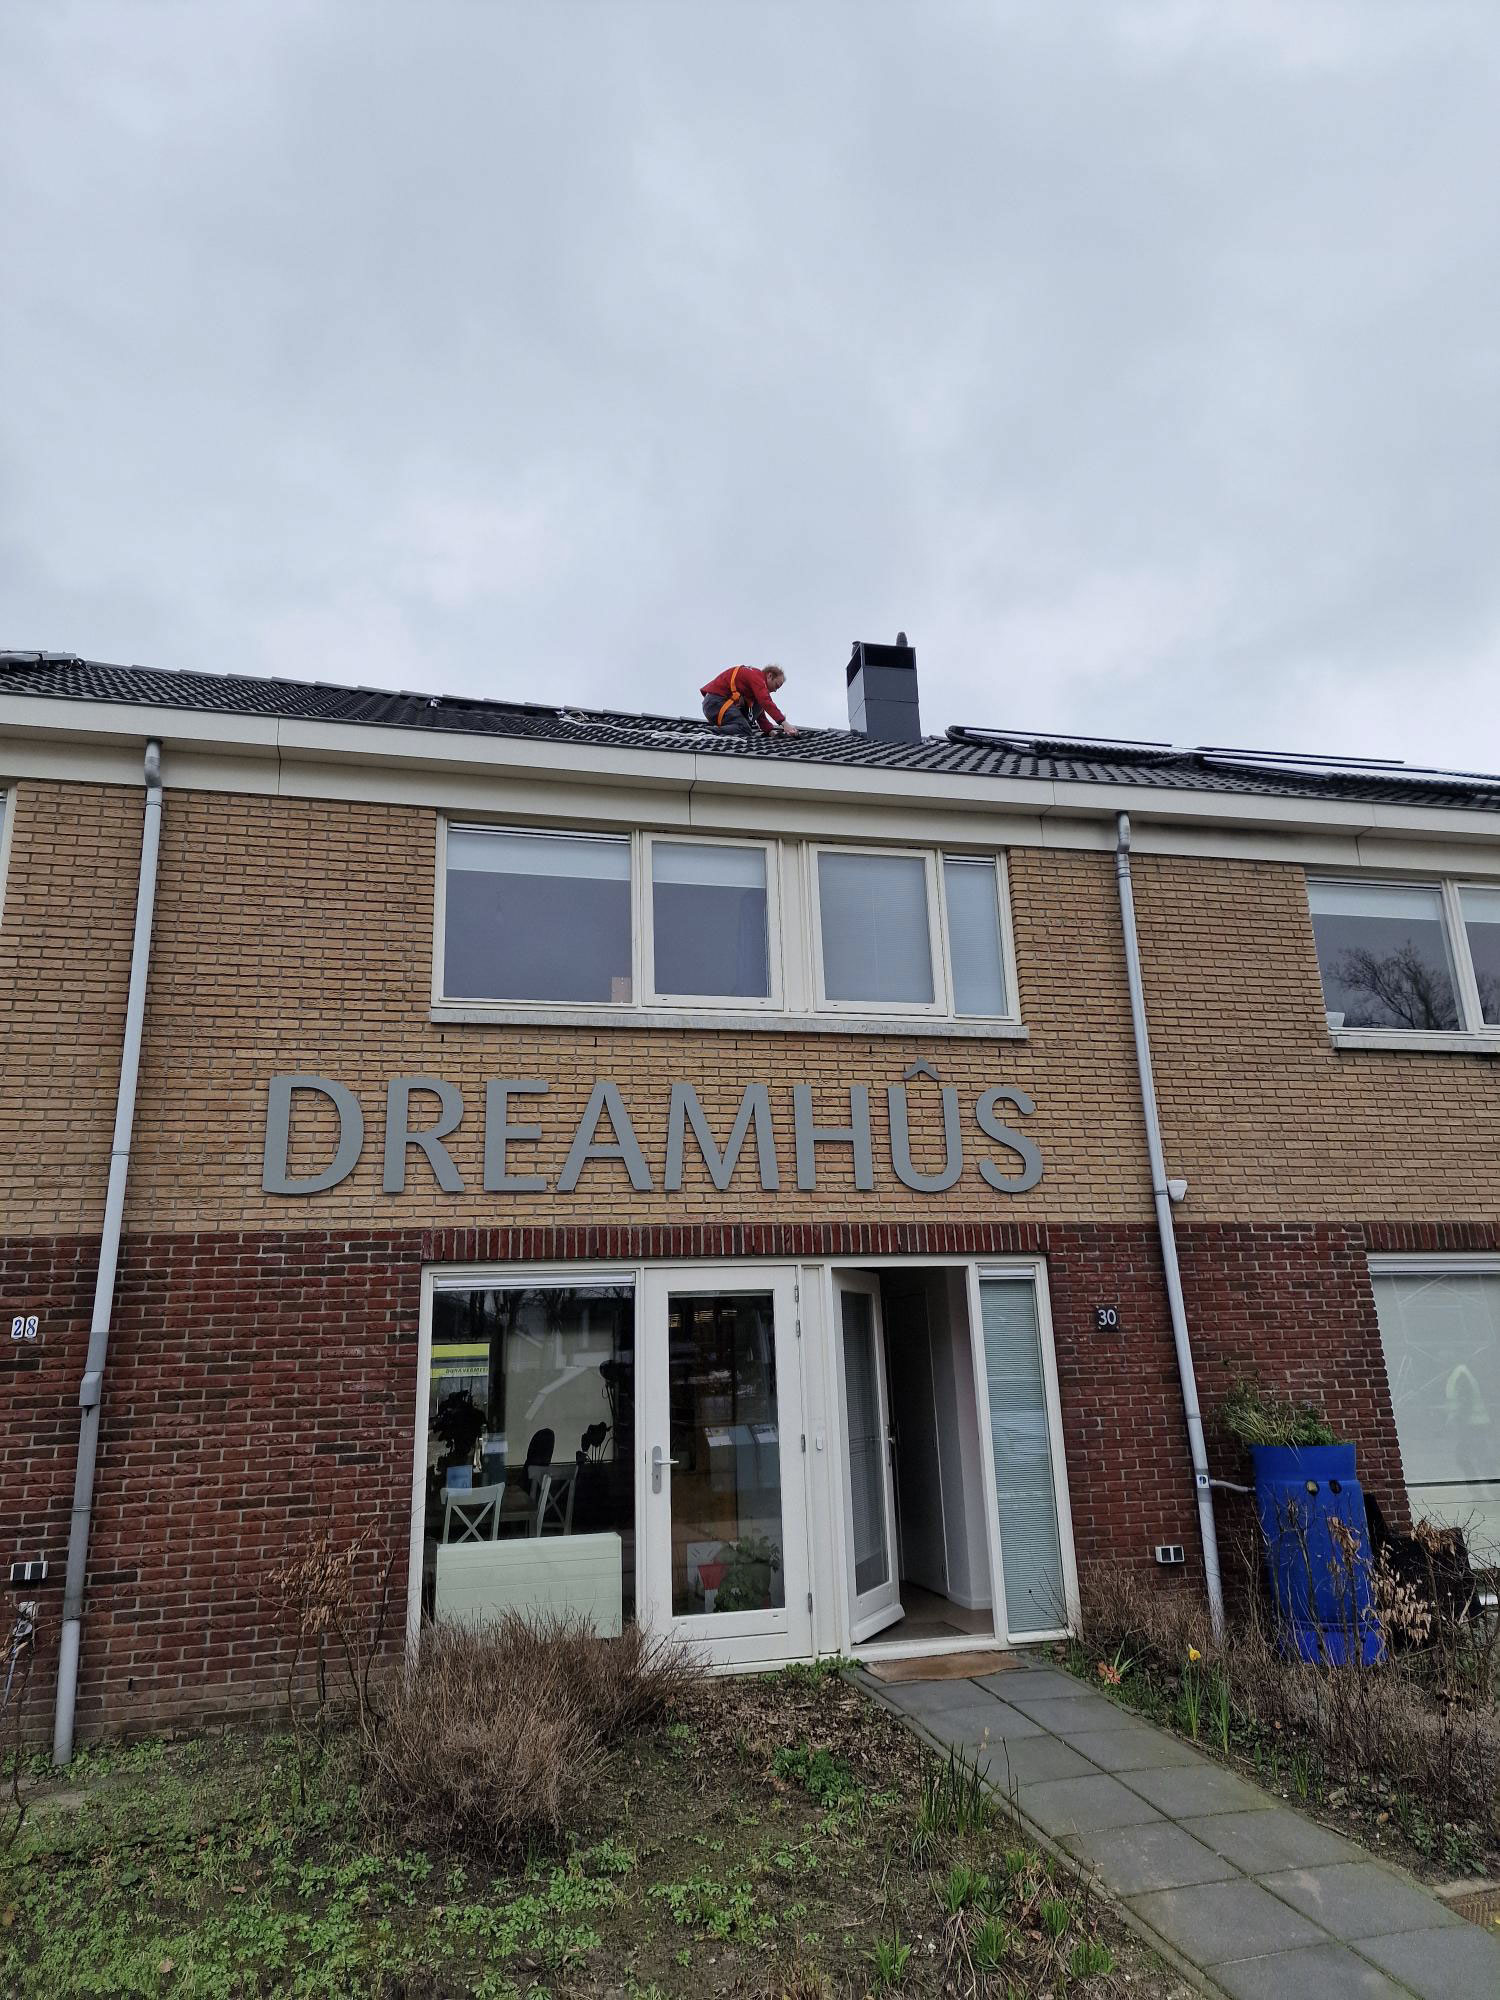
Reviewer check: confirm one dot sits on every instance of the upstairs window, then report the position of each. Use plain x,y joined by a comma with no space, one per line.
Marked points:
912,933
698,924
1408,957
710,921
537,916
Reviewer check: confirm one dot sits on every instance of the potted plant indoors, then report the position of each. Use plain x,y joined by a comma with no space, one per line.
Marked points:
1312,1520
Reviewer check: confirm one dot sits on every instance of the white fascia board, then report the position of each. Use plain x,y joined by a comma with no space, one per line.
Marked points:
494,795
440,750
1214,808
43,717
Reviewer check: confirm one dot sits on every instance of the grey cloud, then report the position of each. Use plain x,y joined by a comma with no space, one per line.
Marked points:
1140,362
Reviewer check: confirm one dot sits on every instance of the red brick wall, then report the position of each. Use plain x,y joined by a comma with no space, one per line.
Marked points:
261,1384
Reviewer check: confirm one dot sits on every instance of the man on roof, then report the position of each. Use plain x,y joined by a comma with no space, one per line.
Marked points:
743,698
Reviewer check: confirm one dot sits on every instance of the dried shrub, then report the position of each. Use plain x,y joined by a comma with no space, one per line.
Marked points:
500,1736
1422,1728
333,1597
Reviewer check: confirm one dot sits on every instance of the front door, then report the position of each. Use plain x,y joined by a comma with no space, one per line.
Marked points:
725,1537
869,1502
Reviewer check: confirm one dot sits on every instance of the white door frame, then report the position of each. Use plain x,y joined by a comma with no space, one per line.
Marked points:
733,1638
814,1380
878,1609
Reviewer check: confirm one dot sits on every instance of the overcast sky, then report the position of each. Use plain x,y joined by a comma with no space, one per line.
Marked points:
1141,360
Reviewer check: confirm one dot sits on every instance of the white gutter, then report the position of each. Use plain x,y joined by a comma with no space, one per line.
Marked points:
1161,1194
90,1394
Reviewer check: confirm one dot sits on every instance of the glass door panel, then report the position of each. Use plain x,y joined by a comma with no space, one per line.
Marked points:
1021,1443
869,1501
726,1547
727,1535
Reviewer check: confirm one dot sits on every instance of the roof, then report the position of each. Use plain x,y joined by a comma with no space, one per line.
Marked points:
965,751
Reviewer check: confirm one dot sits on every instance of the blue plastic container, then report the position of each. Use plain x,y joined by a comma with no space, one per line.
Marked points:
1322,1598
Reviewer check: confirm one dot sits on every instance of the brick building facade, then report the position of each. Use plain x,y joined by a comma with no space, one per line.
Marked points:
281,1359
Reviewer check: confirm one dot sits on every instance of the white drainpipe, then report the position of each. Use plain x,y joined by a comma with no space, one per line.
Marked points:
90,1393
1161,1194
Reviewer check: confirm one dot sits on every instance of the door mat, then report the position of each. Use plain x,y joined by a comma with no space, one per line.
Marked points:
941,1667
1478,1901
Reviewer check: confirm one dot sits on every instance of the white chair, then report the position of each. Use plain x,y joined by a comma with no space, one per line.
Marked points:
471,1513
554,1499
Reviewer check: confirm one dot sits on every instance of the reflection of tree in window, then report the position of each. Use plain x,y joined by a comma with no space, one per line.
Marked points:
1412,991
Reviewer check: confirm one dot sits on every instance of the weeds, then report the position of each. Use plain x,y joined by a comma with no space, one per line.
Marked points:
1424,1725
888,1963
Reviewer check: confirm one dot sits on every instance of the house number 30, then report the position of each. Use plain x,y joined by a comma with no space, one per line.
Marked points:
1106,1319
24,1326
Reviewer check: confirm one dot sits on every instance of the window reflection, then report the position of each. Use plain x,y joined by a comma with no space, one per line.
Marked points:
530,1501
726,1448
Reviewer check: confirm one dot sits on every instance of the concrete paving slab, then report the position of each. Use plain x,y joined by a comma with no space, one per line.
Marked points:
1042,1681
1029,1760
932,1697
1188,1794
1134,1859
1064,1716
982,1721
1458,1964
1216,1921
1132,1748
1359,1899
1063,1806
1319,1972
1265,1843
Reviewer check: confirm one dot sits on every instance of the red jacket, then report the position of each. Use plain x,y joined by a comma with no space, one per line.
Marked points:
738,684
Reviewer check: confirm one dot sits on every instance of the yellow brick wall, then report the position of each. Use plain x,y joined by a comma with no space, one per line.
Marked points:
296,935
1263,1115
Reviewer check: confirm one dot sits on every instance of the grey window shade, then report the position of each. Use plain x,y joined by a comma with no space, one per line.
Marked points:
876,942
1020,1438
972,887
537,917
1441,1334
709,924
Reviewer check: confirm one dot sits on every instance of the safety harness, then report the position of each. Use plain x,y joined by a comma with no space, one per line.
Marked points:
733,699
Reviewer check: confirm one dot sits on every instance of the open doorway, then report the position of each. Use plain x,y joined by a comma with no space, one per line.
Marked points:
919,1558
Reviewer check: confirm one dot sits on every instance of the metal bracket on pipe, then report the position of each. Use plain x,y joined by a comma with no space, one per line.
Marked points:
91,1389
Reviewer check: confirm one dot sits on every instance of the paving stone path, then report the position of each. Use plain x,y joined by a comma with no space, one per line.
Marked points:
1262,1902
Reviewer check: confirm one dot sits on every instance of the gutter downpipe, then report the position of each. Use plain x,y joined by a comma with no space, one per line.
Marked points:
90,1393
1161,1194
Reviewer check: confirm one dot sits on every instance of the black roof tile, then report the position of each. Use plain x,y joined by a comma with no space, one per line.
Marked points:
969,752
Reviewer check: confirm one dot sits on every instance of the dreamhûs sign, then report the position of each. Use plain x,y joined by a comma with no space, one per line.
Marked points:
505,1138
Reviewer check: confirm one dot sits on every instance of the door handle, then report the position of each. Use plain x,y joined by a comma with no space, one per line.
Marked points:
658,1460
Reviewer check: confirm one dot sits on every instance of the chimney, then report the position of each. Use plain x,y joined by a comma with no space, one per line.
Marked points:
883,691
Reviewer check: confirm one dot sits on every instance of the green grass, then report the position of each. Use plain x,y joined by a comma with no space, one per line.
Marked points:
762,1844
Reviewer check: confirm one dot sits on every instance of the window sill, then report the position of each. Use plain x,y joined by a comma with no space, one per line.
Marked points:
1416,1041
713,1021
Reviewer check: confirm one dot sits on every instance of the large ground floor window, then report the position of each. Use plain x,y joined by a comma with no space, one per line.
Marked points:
1440,1328
529,1500
768,1460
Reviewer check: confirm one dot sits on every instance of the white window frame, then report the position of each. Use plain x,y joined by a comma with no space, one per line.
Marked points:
794,920
651,996
7,820
943,1005
1007,936
1427,1264
1473,1034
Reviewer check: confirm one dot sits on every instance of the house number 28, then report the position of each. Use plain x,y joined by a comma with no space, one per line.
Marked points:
24,1326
